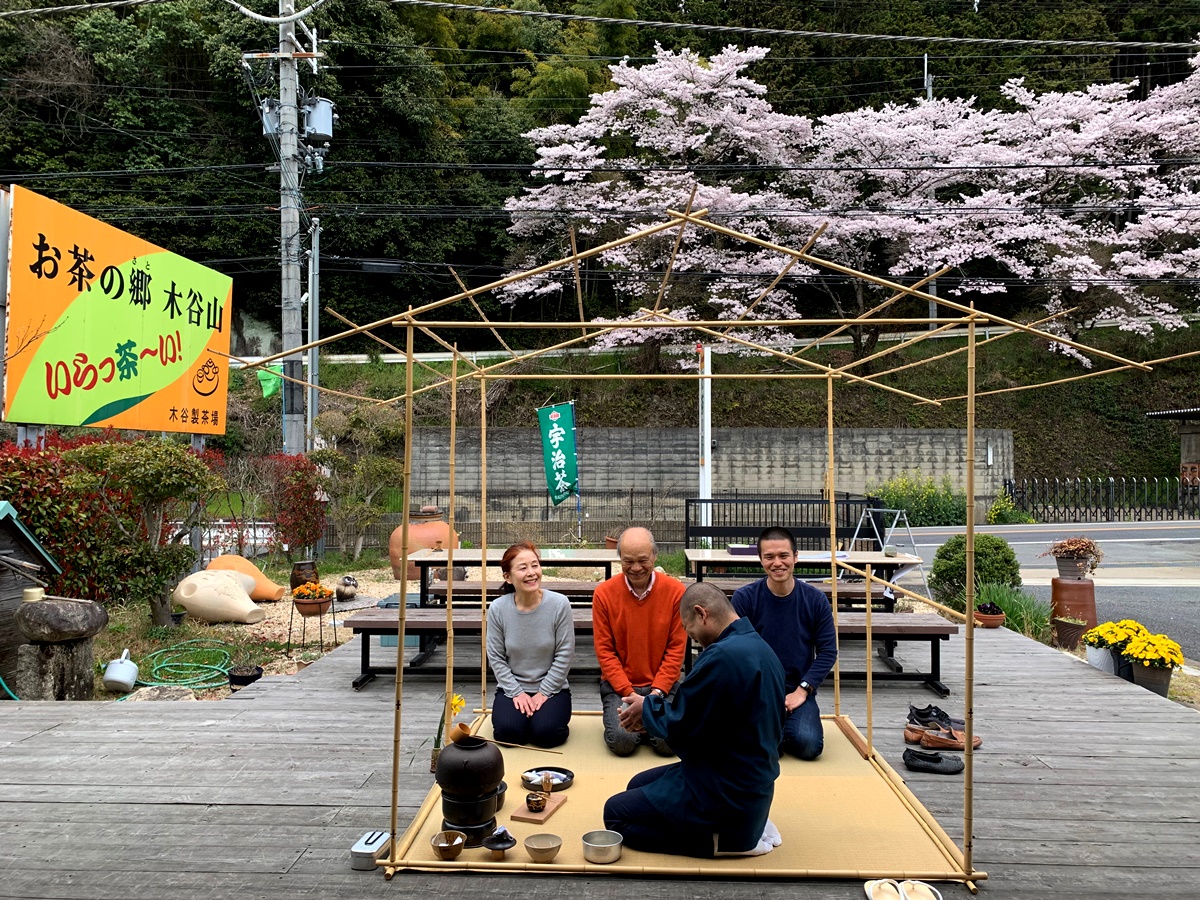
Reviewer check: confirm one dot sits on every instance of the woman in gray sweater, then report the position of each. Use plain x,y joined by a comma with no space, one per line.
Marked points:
530,642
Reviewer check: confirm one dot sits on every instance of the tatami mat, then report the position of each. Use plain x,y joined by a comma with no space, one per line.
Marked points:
840,816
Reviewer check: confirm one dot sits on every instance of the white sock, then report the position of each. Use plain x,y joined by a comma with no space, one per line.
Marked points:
771,834
764,847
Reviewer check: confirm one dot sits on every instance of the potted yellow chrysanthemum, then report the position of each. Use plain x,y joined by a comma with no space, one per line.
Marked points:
1106,642
1154,657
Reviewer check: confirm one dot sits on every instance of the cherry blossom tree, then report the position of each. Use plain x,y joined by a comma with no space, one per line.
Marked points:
1086,195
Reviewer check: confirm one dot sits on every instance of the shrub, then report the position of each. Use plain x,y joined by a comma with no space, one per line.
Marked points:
1003,511
995,563
926,503
1023,612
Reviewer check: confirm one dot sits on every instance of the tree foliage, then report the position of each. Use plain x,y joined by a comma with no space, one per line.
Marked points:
1079,200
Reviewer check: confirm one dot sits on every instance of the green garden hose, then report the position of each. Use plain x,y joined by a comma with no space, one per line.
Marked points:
7,690
198,664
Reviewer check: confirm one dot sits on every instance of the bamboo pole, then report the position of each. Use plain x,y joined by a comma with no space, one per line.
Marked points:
491,286
450,545
508,362
883,282
896,348
479,310
870,681
401,614
1114,369
578,279
300,381
878,308
652,319
969,693
778,278
662,288
483,542
833,547
804,362
424,365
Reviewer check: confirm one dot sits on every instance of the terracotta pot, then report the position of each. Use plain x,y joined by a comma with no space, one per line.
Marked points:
610,543
427,530
264,588
469,769
983,620
313,607
303,572
1074,597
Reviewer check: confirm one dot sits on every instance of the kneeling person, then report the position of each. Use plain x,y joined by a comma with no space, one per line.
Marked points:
725,723
638,636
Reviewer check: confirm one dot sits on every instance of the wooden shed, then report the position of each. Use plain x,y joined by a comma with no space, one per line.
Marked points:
23,563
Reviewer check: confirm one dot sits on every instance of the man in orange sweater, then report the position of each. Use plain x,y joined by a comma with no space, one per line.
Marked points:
639,637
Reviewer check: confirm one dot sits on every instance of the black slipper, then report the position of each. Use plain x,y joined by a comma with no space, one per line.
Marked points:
938,764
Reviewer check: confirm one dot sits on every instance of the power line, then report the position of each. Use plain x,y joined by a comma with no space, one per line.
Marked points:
78,7
783,32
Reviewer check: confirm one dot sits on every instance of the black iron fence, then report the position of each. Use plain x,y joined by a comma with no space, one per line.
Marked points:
1106,499
725,520
521,516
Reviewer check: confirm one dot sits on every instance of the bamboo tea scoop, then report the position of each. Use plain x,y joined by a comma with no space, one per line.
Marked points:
460,732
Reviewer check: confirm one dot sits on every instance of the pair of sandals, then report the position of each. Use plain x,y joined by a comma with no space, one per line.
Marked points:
890,889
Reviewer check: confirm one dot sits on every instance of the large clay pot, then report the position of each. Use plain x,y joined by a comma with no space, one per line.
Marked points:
217,596
304,572
427,530
1074,597
469,769
264,588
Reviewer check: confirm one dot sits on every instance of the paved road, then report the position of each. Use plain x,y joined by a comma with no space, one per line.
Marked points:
1151,570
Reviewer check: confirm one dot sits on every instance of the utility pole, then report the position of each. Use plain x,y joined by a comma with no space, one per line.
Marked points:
931,288
314,331
289,231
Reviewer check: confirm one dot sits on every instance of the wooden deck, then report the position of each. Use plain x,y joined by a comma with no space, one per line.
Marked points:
1085,787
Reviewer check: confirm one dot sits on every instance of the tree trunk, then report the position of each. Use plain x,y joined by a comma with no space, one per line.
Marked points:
160,608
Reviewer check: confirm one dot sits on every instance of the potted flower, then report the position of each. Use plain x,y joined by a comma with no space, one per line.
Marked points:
1076,557
988,615
1106,642
311,599
1067,631
454,704
1154,658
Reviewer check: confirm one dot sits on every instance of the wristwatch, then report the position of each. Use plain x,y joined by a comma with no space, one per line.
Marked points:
808,688
658,692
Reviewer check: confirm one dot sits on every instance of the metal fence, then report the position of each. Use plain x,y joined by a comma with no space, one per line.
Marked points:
1106,499
724,520
520,516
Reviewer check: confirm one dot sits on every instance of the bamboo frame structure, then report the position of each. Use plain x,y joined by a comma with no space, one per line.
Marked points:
967,316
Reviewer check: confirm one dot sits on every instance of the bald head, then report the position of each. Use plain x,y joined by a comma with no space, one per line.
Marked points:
706,612
638,553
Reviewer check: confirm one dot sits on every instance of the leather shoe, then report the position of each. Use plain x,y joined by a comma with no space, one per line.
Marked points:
938,738
919,761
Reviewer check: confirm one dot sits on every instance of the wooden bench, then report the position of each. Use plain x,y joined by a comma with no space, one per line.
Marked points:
430,624
467,592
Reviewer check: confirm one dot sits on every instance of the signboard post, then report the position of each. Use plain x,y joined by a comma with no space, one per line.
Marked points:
107,330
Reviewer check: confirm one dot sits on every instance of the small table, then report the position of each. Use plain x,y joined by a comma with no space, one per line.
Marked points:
552,557
888,568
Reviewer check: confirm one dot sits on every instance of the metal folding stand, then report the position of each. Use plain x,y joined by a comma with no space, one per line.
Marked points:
899,520
304,628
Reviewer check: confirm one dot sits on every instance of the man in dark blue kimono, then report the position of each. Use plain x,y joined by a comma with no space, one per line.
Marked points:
725,723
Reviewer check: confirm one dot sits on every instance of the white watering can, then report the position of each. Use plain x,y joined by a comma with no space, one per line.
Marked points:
121,674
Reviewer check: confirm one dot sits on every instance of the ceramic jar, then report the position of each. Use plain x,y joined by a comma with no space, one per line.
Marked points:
469,769
303,572
427,530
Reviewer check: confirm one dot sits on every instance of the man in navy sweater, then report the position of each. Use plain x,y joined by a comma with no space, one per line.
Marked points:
796,620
